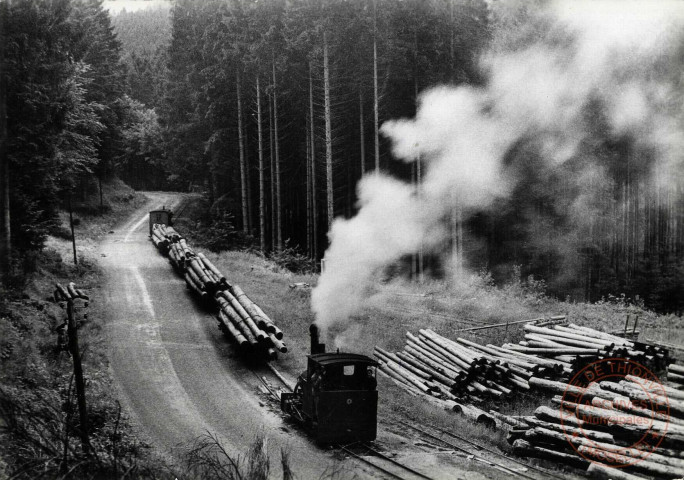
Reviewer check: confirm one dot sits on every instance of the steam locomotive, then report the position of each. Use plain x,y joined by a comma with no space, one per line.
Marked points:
336,398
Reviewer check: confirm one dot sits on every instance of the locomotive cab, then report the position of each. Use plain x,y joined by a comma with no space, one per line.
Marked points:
336,397
160,216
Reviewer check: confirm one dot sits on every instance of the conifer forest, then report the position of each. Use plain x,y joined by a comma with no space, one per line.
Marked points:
276,110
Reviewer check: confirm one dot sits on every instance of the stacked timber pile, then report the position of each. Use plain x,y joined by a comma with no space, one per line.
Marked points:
464,371
578,346
462,374
240,319
609,425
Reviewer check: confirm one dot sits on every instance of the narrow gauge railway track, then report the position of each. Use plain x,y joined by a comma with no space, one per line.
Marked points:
391,467
390,463
437,434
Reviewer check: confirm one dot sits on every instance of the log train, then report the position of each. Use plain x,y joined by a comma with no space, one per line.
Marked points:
240,319
336,398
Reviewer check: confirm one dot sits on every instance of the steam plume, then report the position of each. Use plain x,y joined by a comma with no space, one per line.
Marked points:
602,68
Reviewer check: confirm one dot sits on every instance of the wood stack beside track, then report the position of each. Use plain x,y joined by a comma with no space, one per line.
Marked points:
465,376
240,319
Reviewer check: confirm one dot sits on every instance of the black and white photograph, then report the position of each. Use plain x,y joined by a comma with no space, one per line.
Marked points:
341,239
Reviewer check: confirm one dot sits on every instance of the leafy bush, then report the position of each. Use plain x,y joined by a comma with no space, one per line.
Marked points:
293,260
207,459
221,234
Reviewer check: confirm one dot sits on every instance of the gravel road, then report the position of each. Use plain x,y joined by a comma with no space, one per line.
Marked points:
174,370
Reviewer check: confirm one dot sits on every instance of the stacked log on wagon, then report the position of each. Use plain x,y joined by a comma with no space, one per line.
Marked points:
240,318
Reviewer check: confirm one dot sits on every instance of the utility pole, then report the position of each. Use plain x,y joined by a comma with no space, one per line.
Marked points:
69,295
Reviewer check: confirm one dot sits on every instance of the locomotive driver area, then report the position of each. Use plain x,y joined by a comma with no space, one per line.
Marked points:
180,379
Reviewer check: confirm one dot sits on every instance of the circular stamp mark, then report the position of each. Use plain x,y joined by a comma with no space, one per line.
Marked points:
632,406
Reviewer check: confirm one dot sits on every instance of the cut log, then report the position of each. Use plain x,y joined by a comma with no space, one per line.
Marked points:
277,344
202,286
235,334
554,415
630,454
646,466
553,351
573,336
558,340
631,381
237,320
411,368
508,420
492,352
440,367
572,431
635,424
524,448
210,266
196,266
273,328
601,472
249,306
258,334
413,361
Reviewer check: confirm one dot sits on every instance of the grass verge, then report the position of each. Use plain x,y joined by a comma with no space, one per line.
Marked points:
38,414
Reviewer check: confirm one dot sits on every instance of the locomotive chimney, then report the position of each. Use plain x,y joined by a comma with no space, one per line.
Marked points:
316,346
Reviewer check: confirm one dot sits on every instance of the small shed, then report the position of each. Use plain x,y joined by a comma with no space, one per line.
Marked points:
160,216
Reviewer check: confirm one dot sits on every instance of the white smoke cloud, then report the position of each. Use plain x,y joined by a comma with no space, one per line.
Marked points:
619,55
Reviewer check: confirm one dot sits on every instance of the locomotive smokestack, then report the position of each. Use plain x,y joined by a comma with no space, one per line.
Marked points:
316,346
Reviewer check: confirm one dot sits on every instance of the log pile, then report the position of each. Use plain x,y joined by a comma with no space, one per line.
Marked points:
605,427
466,376
578,346
464,371
240,319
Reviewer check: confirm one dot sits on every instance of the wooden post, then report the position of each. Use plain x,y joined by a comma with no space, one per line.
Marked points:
69,295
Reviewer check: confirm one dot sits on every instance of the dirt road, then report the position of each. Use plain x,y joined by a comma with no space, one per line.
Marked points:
174,369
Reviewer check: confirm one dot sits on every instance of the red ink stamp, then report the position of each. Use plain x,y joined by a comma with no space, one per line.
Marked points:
615,412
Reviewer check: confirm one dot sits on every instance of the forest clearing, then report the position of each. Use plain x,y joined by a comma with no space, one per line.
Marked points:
341,239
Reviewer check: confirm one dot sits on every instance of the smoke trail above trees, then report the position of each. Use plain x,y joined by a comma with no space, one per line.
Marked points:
576,93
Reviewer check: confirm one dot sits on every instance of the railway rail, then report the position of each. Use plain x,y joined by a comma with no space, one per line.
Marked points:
543,471
380,461
437,435
390,463
397,470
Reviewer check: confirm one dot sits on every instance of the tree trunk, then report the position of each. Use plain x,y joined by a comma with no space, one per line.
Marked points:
5,230
309,229
273,175
279,211
452,60
312,138
262,203
328,134
243,166
362,137
375,90
419,176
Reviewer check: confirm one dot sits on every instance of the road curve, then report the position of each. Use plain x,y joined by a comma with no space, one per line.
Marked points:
175,372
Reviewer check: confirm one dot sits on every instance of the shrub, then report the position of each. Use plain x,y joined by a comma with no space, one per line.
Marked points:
293,260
